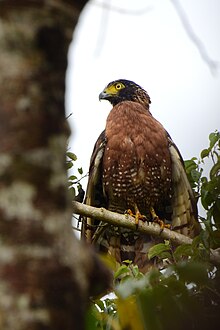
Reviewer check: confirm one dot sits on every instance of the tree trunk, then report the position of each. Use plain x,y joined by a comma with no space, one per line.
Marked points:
46,275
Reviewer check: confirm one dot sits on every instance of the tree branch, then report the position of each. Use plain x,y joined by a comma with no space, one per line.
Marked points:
121,10
213,65
127,221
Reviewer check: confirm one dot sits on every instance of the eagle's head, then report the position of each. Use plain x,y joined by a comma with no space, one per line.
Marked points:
124,90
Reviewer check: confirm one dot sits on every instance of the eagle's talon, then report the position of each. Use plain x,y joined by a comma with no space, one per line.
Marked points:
154,215
129,212
160,222
138,216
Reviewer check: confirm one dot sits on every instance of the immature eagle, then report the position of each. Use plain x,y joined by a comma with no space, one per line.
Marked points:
136,166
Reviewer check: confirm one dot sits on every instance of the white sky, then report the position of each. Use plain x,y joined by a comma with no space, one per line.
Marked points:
152,48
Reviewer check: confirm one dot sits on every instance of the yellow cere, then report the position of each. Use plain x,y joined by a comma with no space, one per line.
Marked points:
113,89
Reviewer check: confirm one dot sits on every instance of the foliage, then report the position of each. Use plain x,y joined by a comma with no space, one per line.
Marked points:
185,292
208,188
183,296
73,180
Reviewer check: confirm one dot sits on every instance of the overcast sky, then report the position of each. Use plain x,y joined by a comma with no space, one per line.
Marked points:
145,41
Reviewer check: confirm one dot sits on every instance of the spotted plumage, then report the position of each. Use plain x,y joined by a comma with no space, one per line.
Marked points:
135,165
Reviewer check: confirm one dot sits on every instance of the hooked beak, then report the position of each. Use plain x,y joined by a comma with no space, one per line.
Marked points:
103,95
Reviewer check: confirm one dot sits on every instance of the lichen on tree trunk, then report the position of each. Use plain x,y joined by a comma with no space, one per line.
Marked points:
45,274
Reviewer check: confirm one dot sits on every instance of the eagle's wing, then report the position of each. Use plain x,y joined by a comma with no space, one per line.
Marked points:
184,208
94,193
183,204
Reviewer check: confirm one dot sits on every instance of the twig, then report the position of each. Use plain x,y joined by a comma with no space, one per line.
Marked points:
127,221
120,10
102,30
82,177
105,17
75,228
213,65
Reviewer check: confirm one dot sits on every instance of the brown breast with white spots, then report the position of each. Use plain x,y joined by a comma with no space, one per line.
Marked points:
136,162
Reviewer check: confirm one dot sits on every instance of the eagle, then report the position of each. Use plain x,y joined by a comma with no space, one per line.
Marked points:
136,168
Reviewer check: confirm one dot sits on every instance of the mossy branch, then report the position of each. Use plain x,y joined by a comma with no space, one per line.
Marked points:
127,221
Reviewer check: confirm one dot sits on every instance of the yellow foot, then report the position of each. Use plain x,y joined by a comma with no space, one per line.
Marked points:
138,216
156,219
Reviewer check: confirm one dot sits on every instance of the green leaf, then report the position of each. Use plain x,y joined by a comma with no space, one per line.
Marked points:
69,165
204,180
72,177
135,271
195,175
215,169
206,199
182,251
80,170
213,138
204,153
72,191
121,271
71,155
190,165
91,319
127,262
157,250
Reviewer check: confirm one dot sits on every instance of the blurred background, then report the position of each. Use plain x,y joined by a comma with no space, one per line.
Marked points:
170,48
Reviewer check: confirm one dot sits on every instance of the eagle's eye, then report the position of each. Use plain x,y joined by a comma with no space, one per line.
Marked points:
119,86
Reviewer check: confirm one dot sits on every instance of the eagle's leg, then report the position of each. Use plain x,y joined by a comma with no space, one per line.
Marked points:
157,219
138,216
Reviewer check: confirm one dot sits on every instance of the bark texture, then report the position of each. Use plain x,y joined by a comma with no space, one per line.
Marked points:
46,276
